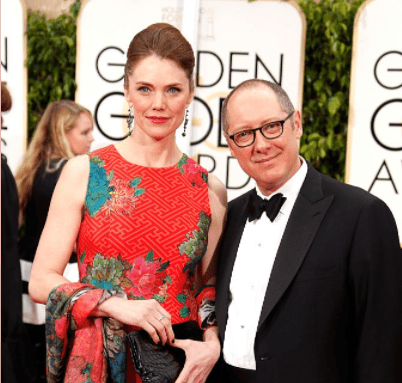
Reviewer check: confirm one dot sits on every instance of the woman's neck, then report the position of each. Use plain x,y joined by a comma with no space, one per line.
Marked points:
150,153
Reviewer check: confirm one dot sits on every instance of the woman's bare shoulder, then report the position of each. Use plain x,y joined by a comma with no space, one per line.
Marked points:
217,189
76,168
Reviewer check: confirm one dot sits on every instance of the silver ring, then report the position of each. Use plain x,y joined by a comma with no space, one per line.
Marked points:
162,317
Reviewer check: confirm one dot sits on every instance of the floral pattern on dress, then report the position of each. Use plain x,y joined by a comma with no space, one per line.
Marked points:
99,191
193,172
148,278
108,194
144,278
195,245
106,273
187,298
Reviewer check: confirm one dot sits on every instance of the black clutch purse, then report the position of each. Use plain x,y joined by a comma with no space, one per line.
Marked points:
156,363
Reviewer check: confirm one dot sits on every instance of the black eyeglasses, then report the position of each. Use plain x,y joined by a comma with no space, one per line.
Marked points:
270,131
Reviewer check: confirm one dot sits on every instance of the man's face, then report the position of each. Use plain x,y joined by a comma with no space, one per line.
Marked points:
270,162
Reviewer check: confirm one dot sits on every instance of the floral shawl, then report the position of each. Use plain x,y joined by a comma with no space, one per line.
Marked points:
81,348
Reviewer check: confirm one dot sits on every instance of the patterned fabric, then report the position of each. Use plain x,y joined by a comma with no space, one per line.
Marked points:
79,346
144,232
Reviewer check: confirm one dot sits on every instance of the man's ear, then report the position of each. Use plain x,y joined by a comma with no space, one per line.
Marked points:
297,124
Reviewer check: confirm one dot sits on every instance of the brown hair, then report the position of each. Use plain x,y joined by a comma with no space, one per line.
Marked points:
6,101
49,141
281,95
164,41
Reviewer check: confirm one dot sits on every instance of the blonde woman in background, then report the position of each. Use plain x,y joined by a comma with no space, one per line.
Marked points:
64,131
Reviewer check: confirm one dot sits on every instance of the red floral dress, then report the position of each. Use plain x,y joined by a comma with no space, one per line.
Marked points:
144,232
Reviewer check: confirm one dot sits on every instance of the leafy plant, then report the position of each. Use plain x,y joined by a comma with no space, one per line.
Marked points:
51,54
326,83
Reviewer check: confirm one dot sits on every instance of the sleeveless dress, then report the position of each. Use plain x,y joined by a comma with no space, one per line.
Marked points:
144,232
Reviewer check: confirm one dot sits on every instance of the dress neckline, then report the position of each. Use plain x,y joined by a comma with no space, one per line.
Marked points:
147,167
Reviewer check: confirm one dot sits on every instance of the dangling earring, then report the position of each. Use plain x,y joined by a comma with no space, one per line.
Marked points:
130,120
185,123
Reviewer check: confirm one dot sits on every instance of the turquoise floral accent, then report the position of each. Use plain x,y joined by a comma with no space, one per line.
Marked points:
195,244
182,161
187,298
134,184
108,274
107,194
99,191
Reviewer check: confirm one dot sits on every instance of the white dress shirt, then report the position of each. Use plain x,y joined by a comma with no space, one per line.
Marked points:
251,272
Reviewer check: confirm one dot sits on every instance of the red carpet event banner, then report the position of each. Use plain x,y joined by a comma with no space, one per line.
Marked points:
237,40
374,154
14,74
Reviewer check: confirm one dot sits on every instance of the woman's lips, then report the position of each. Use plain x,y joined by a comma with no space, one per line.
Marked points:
158,120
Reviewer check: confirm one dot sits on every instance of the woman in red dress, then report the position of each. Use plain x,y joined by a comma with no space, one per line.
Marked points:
146,220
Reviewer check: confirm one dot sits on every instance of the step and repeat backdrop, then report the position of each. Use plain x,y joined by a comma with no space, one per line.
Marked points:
233,40
14,74
374,151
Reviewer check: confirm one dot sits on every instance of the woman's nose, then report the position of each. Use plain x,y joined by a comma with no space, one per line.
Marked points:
158,100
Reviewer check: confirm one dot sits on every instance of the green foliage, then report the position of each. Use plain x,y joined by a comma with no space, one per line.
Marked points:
51,53
326,83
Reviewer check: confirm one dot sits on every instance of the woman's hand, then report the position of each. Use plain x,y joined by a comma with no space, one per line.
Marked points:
147,314
200,359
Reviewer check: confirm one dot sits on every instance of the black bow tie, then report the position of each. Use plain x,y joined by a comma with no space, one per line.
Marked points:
257,205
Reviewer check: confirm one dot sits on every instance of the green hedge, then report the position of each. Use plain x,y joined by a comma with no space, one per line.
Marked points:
51,75
326,83
51,52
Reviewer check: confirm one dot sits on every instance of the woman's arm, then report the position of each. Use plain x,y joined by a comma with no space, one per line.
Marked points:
202,356
218,202
57,243
61,229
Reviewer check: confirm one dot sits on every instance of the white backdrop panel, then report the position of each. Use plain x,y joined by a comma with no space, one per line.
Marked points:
374,158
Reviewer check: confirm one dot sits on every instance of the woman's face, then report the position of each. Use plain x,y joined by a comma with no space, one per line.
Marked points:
80,137
159,92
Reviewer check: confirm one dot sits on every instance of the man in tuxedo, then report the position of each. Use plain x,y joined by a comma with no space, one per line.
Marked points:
310,269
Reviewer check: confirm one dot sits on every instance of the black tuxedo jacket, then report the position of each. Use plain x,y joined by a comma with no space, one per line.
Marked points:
333,306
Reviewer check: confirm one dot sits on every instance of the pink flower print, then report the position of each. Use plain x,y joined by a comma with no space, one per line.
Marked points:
146,278
194,174
123,199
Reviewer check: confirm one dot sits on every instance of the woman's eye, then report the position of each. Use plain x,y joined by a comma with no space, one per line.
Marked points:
144,89
174,90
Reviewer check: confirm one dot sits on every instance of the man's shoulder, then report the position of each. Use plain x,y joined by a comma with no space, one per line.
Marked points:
240,200
347,194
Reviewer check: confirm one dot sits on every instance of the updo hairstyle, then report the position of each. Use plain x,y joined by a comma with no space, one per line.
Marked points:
164,41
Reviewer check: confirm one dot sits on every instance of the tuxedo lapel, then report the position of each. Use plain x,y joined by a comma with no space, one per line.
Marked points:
307,214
